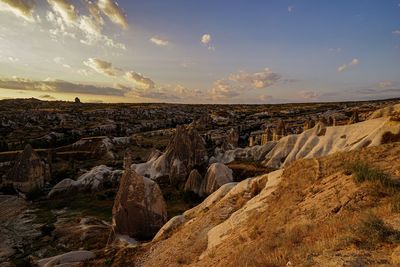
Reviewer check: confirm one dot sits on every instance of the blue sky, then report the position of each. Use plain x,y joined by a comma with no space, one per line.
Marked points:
200,51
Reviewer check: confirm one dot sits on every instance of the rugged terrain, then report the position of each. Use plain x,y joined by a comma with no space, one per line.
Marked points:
276,185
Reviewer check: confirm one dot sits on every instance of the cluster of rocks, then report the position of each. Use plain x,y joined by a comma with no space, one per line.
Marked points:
98,178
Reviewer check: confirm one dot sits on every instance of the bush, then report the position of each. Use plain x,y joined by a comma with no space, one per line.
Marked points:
371,231
362,172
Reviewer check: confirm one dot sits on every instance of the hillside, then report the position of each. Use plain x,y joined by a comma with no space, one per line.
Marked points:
313,213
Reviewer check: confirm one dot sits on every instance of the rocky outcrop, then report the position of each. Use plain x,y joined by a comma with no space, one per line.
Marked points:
217,175
279,131
321,140
185,151
139,208
354,118
385,112
232,138
94,180
248,154
28,172
193,183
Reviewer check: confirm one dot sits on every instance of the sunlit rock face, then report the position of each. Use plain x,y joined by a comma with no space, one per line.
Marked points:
28,172
139,208
217,175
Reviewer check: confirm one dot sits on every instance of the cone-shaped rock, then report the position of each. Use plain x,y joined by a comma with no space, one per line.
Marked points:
139,207
217,175
28,172
193,183
185,151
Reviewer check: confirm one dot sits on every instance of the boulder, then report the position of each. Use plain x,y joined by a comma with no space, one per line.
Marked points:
94,180
217,175
28,172
139,208
193,183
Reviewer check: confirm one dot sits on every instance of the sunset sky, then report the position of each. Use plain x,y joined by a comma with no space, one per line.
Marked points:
200,51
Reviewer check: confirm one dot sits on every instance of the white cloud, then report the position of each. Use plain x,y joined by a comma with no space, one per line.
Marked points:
64,16
58,60
159,41
396,32
206,39
66,10
222,90
111,9
308,94
101,66
291,8
344,67
389,84
20,8
13,59
139,80
258,80
58,86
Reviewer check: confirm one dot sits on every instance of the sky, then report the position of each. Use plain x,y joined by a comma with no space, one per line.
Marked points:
203,51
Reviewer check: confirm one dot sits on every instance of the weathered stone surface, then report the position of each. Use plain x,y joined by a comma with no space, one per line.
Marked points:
91,181
321,140
184,152
67,259
254,153
28,172
193,183
139,207
217,175
169,227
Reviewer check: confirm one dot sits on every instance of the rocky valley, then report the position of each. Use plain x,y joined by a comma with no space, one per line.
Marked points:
199,185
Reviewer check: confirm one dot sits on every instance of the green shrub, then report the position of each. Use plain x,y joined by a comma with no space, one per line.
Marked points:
363,172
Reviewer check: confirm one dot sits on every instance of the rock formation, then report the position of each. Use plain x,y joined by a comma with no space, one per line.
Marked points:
279,131
217,175
354,118
254,153
94,180
184,152
232,138
28,172
308,124
320,140
193,183
139,208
